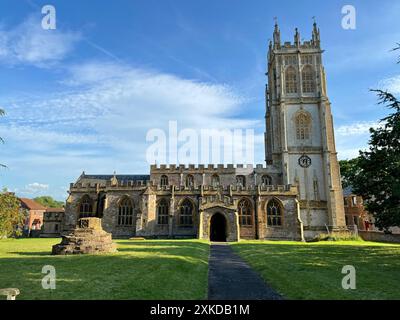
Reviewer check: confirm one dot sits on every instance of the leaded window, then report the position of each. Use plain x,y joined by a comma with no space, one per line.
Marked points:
274,213
125,213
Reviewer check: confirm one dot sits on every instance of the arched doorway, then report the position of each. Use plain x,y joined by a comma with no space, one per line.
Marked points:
218,228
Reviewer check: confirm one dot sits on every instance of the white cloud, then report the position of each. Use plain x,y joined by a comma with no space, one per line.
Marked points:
32,189
106,110
391,84
356,128
28,43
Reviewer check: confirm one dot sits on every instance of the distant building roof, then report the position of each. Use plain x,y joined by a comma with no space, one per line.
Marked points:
31,204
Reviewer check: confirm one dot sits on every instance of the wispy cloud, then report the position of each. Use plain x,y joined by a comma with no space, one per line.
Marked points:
391,84
28,43
356,128
107,109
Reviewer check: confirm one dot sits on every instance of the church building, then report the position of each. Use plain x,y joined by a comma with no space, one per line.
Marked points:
295,195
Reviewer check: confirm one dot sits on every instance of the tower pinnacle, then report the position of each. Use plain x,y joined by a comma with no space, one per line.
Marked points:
277,35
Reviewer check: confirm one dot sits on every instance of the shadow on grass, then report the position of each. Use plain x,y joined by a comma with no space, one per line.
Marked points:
36,253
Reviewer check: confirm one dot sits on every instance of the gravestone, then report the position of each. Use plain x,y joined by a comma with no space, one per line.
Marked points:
87,238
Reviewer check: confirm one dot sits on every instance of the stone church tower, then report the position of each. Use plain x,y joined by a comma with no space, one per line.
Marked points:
299,134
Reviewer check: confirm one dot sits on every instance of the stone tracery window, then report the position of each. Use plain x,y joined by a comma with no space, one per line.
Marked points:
164,181
86,207
291,80
303,126
189,181
266,180
241,180
215,180
162,212
307,76
245,212
186,213
274,213
125,212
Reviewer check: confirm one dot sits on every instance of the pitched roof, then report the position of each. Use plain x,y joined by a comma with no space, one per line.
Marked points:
31,204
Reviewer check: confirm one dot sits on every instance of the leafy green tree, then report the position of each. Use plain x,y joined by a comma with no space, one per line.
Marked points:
49,202
377,178
11,217
348,169
375,174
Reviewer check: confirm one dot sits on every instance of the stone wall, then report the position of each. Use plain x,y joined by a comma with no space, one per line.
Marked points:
379,236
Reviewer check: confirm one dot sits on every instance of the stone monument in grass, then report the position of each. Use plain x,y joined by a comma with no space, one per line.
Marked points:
88,237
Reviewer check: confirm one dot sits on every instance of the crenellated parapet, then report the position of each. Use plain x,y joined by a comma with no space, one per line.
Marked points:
109,185
201,168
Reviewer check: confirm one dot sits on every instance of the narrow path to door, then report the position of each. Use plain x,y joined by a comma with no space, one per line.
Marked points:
231,278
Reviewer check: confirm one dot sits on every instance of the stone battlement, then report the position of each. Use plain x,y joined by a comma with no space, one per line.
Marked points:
173,168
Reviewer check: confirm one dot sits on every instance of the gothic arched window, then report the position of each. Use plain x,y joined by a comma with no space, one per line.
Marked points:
186,213
241,181
215,180
125,212
303,126
245,212
291,80
164,181
274,213
266,180
162,212
307,76
189,181
86,207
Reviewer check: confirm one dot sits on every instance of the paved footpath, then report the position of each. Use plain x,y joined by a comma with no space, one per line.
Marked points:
230,278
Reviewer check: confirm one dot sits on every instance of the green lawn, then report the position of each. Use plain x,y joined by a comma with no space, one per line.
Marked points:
313,270
178,269
151,269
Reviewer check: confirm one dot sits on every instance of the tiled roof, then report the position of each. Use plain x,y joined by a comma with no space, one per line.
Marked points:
31,204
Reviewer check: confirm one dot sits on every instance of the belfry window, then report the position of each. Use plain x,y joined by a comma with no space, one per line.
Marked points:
164,181
291,80
308,81
162,212
186,213
245,212
303,126
274,213
125,213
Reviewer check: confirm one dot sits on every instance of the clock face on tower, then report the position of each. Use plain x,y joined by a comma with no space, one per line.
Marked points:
304,161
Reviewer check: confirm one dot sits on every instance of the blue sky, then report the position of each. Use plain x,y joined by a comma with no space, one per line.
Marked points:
83,96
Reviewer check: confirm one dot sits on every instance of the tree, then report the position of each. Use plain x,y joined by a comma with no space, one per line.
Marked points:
377,179
348,169
11,217
49,202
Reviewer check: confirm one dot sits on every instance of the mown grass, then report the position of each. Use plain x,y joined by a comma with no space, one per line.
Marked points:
313,270
150,269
